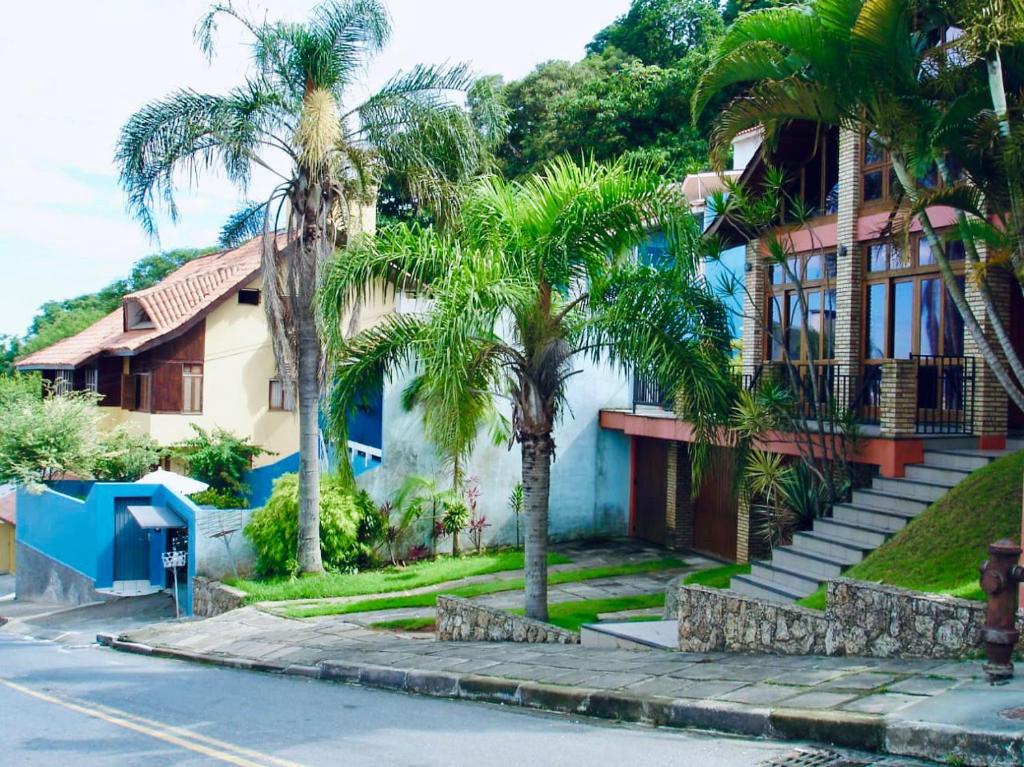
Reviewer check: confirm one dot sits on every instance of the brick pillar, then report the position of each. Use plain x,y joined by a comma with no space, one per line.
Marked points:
898,417
990,398
742,529
679,498
754,303
849,257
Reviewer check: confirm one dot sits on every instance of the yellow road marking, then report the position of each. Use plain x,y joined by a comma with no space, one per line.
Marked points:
183,738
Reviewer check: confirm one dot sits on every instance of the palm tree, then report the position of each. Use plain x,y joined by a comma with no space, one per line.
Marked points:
291,118
535,275
868,65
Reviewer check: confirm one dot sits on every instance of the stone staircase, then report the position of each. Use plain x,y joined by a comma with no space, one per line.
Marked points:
857,528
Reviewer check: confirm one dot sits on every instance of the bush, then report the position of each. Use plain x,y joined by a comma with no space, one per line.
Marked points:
124,457
218,458
219,499
274,529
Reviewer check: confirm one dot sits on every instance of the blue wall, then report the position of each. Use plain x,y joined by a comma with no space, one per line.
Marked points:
261,480
59,526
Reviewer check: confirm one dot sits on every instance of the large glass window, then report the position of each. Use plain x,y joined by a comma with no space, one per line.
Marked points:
192,384
814,272
877,310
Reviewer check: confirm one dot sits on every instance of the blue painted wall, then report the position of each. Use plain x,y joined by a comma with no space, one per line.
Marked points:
59,526
261,480
724,272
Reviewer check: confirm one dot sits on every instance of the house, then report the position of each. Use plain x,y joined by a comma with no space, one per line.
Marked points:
8,523
889,344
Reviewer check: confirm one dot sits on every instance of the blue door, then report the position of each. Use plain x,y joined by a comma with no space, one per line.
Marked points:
131,543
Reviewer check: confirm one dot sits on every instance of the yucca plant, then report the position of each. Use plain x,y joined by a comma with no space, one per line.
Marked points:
293,117
536,276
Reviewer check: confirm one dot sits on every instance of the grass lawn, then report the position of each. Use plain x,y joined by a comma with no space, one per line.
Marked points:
479,589
427,573
941,549
406,624
572,615
716,577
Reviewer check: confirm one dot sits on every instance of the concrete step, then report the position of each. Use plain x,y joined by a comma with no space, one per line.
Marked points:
840,551
859,515
937,475
755,587
868,537
873,499
797,559
626,635
794,582
908,488
950,459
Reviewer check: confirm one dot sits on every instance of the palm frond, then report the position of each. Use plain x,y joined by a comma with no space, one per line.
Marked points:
244,224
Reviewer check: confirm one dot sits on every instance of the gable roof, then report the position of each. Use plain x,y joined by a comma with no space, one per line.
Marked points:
173,305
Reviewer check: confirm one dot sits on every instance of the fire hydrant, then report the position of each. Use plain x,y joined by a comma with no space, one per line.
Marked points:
1000,577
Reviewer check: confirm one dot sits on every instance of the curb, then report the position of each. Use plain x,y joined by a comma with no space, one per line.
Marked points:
867,732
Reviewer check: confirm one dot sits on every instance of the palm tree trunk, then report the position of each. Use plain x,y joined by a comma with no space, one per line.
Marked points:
308,553
536,486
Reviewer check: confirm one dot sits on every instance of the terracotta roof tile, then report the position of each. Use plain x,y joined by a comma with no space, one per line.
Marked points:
181,297
8,508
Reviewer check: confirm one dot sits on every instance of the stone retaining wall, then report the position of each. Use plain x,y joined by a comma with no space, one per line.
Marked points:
460,620
714,620
211,598
862,619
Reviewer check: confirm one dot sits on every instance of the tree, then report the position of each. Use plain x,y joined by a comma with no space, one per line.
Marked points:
536,275
874,66
660,32
218,458
124,456
291,118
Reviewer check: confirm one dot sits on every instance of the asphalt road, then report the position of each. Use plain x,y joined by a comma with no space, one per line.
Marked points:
83,706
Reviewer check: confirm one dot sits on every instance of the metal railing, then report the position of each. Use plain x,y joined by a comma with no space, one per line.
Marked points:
647,392
945,394
820,391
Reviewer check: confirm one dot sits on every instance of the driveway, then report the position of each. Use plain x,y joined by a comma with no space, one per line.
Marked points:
81,624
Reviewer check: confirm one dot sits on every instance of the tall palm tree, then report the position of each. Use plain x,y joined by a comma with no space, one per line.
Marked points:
868,65
291,118
535,275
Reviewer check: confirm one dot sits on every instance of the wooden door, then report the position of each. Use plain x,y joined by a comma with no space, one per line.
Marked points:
650,484
715,509
131,544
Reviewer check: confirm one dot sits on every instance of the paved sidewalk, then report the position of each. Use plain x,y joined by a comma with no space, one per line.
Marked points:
932,709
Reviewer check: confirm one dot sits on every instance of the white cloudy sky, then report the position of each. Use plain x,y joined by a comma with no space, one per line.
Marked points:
74,70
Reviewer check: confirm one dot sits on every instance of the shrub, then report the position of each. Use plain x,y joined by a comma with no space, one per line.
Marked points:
219,499
124,456
274,529
218,458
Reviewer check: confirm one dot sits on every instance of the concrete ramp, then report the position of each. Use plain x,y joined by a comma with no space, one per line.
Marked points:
633,635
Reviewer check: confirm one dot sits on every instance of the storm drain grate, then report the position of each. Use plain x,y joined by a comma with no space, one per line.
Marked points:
806,758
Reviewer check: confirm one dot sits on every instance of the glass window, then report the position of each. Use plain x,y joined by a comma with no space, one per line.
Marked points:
924,253
828,327
874,153
931,306
902,319
778,274
814,324
953,330
812,269
876,321
192,385
873,185
279,397
795,324
878,257
830,266
955,250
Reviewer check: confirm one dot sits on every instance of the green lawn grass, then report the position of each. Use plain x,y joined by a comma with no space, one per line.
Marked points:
419,574
941,549
572,615
716,577
479,589
406,624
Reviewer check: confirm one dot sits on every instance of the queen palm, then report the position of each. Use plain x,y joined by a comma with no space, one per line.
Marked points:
534,276
867,65
291,119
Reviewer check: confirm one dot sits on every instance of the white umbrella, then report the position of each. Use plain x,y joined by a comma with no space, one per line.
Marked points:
173,481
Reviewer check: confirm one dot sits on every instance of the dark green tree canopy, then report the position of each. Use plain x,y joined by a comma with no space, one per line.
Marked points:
660,32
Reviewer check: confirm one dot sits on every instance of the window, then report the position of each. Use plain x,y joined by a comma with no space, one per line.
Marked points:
879,179
279,397
63,382
92,380
908,310
249,296
143,392
192,385
816,273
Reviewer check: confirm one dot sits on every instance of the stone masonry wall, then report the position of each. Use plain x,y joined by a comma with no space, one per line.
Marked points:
460,620
714,620
210,598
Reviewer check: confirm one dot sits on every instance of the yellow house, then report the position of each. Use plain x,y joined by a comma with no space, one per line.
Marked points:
193,349
8,520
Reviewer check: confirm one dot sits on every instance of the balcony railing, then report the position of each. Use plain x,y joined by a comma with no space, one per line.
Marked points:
820,391
647,393
945,394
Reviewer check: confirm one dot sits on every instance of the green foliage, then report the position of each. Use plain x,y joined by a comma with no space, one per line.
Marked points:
716,577
17,387
218,458
661,32
219,499
274,529
941,548
124,456
574,614
47,438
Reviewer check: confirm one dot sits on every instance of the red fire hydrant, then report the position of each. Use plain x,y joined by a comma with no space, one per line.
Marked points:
1000,577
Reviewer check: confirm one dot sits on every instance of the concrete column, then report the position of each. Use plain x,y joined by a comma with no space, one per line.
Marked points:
755,299
990,398
898,417
849,257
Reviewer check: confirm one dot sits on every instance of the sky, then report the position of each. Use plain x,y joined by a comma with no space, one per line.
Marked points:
75,70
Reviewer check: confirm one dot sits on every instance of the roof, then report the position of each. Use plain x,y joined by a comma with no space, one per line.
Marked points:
156,518
173,305
8,507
